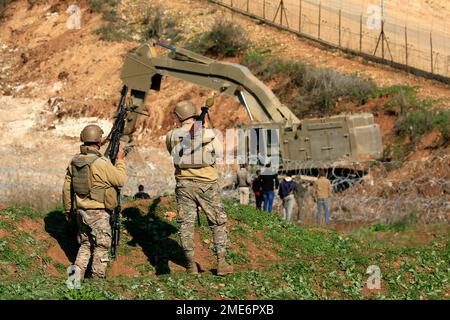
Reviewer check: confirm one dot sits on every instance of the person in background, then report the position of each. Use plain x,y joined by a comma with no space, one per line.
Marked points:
300,196
257,189
322,193
243,182
269,183
141,194
286,193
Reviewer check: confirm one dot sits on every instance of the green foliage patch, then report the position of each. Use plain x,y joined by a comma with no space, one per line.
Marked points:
226,39
306,88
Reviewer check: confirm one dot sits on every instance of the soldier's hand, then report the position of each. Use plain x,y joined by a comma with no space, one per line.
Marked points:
120,154
69,216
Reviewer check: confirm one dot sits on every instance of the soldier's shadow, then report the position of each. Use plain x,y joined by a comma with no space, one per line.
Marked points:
57,226
152,234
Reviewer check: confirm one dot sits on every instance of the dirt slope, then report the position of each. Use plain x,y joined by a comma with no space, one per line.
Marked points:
50,60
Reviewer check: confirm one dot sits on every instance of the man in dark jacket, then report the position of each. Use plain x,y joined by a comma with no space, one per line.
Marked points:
257,189
269,183
141,194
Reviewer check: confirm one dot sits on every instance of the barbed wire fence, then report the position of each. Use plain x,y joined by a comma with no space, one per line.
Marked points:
421,51
386,192
393,191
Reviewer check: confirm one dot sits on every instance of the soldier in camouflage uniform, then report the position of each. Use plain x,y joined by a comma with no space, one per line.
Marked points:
89,187
197,185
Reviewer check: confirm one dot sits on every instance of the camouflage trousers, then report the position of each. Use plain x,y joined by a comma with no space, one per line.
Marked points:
94,234
190,195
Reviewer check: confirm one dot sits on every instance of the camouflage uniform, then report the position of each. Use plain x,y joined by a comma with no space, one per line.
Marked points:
197,186
93,219
94,232
300,196
191,194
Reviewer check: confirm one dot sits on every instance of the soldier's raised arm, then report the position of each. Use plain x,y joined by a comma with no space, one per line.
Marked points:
117,175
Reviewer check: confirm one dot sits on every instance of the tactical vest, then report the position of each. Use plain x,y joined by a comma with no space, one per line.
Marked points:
82,176
190,153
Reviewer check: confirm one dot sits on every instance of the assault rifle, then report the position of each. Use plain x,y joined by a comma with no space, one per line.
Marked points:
111,152
199,121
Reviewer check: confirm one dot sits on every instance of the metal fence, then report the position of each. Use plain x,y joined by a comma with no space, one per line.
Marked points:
424,51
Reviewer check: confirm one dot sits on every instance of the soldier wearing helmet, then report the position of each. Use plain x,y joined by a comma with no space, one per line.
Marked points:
194,159
90,187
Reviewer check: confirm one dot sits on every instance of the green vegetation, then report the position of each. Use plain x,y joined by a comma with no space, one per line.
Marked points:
148,22
108,8
225,38
113,29
274,259
402,224
307,89
424,119
161,25
111,32
416,118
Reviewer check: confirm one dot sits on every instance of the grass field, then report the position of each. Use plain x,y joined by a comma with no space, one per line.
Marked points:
273,259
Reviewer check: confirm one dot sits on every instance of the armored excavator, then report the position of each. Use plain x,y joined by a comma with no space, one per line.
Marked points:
332,142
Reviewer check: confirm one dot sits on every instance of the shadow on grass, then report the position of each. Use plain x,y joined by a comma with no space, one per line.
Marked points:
57,226
152,235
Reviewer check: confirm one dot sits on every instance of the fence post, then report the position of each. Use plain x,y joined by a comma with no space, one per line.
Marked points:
382,39
406,46
431,49
340,14
320,18
264,9
247,4
281,12
300,16
448,64
360,33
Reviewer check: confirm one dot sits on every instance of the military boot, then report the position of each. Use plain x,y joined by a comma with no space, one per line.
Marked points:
191,265
223,268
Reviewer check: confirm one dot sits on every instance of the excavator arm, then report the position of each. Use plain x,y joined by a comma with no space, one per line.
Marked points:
143,70
348,138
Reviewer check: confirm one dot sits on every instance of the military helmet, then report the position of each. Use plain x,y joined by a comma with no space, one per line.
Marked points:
91,133
185,110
